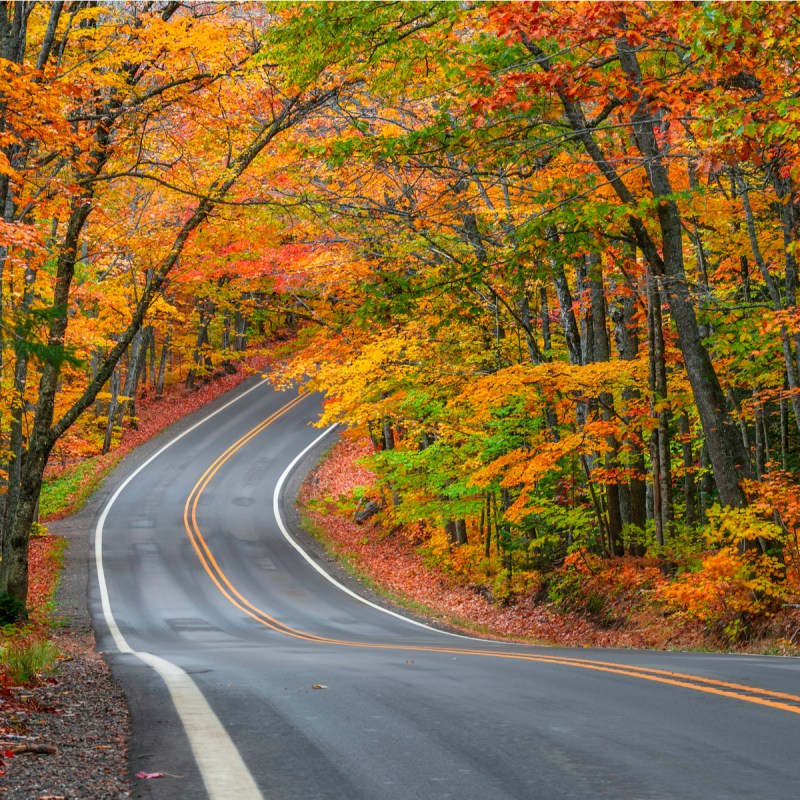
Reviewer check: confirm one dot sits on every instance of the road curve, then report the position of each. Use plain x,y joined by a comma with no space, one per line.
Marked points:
251,675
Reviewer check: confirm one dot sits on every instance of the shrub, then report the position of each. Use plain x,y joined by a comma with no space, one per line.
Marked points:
11,609
608,590
733,584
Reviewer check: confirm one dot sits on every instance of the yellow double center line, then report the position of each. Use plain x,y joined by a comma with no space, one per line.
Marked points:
764,697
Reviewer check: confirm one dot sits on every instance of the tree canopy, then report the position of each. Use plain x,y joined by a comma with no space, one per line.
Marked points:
543,254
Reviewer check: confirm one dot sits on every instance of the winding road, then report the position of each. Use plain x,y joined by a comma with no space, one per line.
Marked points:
250,674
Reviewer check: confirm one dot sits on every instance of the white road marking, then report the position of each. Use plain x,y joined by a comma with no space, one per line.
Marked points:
224,773
284,530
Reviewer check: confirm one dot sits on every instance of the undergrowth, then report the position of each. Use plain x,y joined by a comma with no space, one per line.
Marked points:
27,660
702,590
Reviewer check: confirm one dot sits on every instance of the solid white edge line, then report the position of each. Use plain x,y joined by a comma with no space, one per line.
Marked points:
286,535
224,773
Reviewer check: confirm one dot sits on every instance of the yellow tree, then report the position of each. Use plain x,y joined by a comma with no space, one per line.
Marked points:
101,105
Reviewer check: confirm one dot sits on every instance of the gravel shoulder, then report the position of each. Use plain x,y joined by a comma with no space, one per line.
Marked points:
80,715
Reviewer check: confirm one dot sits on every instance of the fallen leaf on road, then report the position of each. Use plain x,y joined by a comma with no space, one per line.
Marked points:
319,686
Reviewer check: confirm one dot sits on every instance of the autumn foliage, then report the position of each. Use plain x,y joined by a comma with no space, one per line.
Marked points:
541,257
129,132
561,302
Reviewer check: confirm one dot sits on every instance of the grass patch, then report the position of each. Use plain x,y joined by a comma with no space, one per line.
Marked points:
25,660
68,492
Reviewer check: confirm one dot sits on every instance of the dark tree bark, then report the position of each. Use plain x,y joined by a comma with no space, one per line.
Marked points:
456,530
729,460
660,458
602,353
634,500
200,357
162,368
113,406
689,484
239,332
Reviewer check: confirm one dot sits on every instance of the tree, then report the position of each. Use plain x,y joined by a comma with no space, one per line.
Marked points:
98,133
549,191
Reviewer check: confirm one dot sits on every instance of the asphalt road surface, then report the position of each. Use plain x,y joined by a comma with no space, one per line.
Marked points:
252,675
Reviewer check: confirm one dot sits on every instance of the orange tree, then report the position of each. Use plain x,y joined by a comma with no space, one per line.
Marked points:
544,279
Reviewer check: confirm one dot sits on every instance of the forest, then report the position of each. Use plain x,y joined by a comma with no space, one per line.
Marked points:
541,259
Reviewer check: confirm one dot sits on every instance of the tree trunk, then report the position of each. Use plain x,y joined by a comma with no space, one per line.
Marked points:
659,409
226,332
14,564
240,332
456,530
113,406
625,334
729,461
571,330
136,363
152,357
199,356
788,345
602,353
689,485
